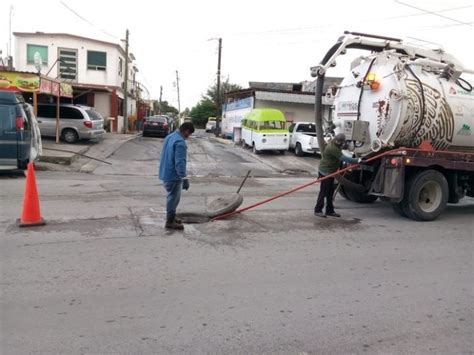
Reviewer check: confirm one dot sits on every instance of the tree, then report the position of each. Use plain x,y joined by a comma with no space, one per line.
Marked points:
165,108
202,111
226,86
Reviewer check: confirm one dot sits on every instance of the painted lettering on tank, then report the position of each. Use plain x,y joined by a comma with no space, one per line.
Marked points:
436,125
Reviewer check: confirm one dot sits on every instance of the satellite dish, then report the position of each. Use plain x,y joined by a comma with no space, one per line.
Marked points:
38,61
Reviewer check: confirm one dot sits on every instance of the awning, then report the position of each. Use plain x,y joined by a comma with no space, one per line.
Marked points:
31,82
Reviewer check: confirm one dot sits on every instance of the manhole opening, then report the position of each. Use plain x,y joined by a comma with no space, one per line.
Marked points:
193,218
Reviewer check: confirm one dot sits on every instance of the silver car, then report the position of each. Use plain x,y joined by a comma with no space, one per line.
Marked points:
75,122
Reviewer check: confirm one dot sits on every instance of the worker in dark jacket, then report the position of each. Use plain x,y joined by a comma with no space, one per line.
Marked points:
332,158
173,171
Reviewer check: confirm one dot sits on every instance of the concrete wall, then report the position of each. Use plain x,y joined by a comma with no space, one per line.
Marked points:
109,77
293,111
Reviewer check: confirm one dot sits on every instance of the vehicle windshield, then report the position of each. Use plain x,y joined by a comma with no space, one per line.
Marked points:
272,125
306,128
156,119
94,115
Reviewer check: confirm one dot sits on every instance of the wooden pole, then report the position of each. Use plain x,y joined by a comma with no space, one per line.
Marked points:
57,119
35,104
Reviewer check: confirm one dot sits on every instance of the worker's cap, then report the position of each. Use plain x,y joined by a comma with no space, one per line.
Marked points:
340,137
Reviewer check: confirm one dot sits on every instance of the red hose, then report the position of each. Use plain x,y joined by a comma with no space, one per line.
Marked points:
243,209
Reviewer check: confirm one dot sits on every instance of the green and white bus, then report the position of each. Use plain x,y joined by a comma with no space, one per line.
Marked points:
265,129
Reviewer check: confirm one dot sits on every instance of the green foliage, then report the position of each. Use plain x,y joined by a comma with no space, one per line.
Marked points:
226,86
165,109
207,106
201,112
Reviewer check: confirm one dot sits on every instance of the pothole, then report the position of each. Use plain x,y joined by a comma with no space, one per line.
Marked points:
193,218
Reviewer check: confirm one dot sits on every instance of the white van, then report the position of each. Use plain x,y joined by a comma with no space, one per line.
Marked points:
265,129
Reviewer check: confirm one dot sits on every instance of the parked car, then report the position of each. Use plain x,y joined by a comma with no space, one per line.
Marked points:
75,122
211,124
20,138
301,138
157,126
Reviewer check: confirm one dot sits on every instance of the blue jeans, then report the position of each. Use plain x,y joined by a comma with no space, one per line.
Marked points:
173,188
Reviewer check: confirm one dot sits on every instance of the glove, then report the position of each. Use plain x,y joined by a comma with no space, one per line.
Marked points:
185,184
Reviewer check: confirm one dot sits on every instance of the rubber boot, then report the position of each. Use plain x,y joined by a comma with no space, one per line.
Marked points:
172,224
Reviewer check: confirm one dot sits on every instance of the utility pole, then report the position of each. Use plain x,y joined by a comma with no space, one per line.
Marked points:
125,86
161,95
218,101
177,88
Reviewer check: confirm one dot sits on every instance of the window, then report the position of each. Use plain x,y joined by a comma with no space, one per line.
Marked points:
272,125
94,115
67,64
96,60
307,128
120,67
32,49
47,111
70,112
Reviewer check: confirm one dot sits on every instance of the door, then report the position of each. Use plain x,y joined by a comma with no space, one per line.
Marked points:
47,120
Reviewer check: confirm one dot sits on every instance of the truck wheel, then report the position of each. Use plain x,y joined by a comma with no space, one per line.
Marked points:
426,195
282,152
70,136
298,150
400,209
356,196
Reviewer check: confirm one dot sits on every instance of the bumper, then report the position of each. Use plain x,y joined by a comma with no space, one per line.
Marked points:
93,133
155,131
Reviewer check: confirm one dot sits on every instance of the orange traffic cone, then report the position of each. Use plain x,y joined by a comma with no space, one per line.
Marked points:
31,215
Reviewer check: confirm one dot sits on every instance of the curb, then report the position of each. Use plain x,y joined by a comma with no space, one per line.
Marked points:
62,160
222,140
92,165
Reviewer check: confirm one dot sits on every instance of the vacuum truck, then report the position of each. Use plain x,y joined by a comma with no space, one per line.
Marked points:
409,113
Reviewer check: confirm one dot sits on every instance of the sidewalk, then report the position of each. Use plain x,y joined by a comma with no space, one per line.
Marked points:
66,154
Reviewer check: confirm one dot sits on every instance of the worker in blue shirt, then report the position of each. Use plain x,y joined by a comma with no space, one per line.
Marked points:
173,171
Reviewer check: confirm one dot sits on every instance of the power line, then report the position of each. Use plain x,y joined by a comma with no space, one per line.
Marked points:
87,21
311,28
433,13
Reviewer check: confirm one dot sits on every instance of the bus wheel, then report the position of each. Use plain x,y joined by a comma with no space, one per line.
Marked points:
426,195
254,149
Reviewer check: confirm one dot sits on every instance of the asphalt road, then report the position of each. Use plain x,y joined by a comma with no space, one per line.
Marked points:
105,277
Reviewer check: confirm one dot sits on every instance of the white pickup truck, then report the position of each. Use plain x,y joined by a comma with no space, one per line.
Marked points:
303,138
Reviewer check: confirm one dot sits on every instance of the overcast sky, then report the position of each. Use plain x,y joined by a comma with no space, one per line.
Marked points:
262,40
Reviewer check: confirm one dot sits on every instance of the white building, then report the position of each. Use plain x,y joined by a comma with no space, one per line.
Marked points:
295,100
95,69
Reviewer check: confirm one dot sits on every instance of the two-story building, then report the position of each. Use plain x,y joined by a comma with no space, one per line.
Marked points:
94,68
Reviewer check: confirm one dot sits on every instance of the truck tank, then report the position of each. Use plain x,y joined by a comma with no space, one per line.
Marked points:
389,101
